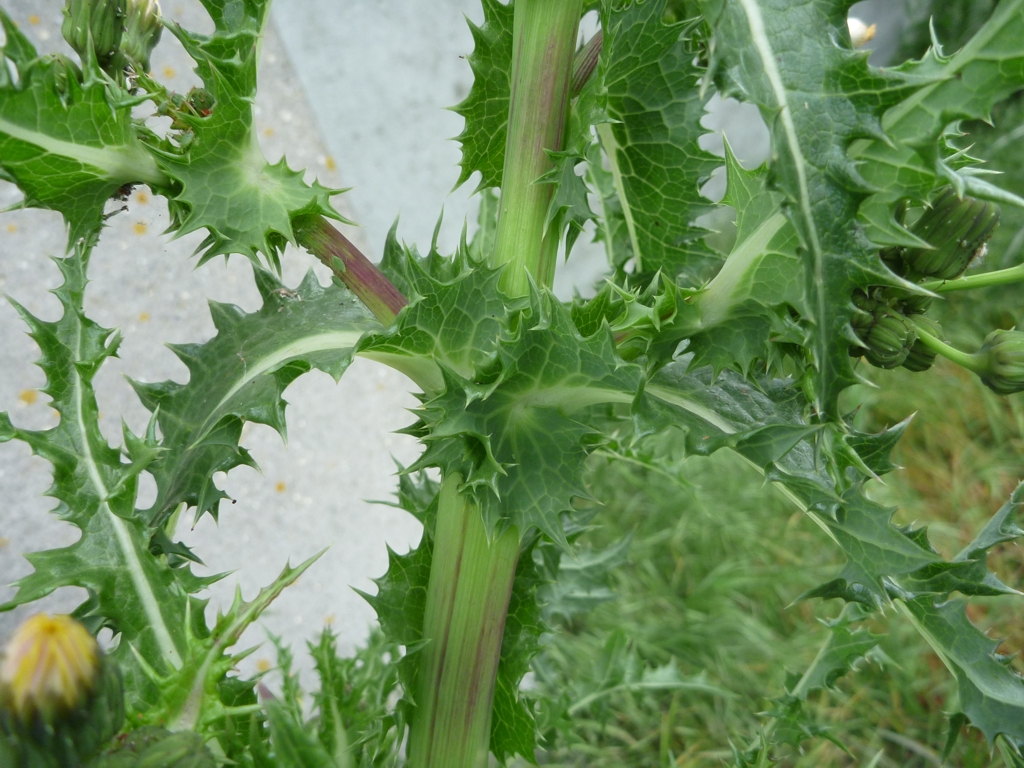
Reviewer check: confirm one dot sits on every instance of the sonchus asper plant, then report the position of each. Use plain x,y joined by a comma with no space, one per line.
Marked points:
869,209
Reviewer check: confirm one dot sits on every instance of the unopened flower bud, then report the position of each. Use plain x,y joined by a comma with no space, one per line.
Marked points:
958,231
860,33
887,335
914,303
1003,358
59,696
95,25
49,667
142,32
921,357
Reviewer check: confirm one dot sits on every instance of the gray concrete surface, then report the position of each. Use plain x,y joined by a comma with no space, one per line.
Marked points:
355,93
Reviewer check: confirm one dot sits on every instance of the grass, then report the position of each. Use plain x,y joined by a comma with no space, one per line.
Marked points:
717,561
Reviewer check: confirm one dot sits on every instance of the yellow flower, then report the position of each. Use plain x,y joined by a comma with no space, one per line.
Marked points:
48,666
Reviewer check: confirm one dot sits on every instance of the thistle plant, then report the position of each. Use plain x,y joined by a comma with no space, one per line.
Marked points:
869,209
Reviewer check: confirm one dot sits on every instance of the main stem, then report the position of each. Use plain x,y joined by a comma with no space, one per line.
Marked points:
467,601
471,576
543,44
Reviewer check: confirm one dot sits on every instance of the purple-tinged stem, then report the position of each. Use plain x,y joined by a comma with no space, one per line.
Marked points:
467,603
585,63
543,44
361,275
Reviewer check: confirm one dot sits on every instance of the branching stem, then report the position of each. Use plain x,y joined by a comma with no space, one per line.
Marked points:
998,277
337,252
966,360
585,62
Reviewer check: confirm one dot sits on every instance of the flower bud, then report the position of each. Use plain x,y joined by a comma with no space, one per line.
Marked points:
1003,359
958,230
921,358
887,335
94,24
59,697
913,303
141,32
49,667
201,101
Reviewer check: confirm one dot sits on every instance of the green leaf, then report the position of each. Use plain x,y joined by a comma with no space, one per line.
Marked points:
839,654
189,697
747,301
843,648
294,745
354,725
581,582
875,450
516,432
155,746
569,207
62,140
764,422
239,375
453,319
1000,529
513,727
133,593
910,162
402,595
400,604
991,694
815,104
967,572
485,109
650,88
953,22
884,562
619,669
226,184
480,247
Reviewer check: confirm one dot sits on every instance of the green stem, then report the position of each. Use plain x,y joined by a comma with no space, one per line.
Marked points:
319,237
998,277
966,360
467,602
543,44
471,577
